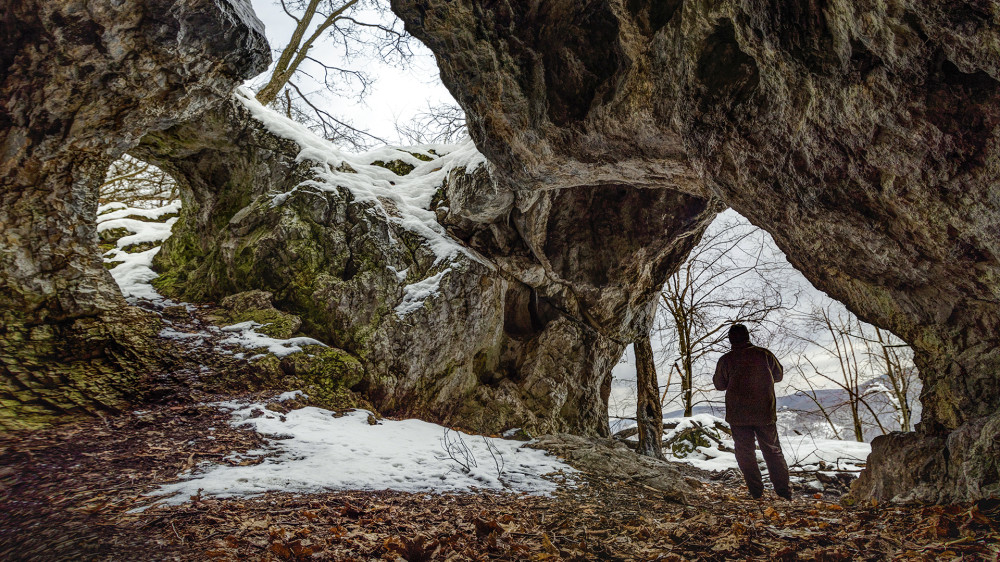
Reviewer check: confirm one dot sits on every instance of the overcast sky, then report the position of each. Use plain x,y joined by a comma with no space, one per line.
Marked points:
397,92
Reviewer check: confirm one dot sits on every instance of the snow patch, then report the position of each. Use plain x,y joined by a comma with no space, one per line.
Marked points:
245,335
315,450
134,271
415,294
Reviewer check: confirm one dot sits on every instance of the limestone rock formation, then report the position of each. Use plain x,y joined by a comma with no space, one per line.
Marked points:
862,135
81,82
512,317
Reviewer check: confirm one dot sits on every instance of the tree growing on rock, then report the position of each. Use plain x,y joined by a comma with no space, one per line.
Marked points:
331,39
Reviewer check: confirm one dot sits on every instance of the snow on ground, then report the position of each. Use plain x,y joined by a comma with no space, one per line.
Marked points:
111,212
804,452
313,450
134,270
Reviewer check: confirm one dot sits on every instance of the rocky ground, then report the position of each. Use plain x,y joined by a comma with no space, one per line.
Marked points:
67,493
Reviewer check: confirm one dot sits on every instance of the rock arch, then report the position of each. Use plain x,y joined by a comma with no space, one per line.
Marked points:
864,137
81,84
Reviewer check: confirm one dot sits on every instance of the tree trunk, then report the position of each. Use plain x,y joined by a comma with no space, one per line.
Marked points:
649,413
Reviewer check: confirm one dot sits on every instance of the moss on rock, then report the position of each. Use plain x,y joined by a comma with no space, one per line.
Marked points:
327,375
273,323
140,247
397,167
256,306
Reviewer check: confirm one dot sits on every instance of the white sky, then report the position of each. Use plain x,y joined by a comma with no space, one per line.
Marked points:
396,93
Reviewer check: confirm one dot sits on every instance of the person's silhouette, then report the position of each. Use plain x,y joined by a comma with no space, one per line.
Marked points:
748,373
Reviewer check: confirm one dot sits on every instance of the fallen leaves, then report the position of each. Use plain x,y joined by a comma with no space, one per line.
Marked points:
74,489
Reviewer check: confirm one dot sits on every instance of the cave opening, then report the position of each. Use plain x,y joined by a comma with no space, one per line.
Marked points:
844,379
138,204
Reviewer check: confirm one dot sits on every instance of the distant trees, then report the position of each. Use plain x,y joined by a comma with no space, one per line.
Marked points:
872,368
734,275
137,184
860,379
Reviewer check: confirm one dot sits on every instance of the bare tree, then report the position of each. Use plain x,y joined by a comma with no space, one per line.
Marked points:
329,39
444,124
856,358
735,274
901,373
137,184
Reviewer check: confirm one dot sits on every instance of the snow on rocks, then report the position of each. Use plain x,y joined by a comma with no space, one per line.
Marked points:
415,294
403,199
133,272
243,334
312,450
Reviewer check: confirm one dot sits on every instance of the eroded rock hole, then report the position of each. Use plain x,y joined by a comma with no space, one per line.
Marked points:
738,274
728,74
652,15
580,58
525,312
137,202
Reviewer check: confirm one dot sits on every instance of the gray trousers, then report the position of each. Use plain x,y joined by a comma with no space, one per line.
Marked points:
767,436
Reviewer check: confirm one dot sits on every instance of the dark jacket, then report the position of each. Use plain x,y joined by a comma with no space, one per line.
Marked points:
747,374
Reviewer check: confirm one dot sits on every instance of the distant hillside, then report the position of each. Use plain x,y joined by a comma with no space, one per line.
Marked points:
799,413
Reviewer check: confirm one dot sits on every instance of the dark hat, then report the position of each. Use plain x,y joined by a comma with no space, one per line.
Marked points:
738,333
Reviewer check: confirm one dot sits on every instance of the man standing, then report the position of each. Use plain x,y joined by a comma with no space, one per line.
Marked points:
748,373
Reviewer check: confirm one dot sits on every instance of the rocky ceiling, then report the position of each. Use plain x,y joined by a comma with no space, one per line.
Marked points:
862,135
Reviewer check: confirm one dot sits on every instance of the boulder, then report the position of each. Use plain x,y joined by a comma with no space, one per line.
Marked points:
613,461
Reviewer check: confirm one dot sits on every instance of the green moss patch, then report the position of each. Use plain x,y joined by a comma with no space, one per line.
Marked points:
140,247
397,167
275,323
327,375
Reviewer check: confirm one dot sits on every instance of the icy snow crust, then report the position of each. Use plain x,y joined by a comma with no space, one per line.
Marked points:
314,451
